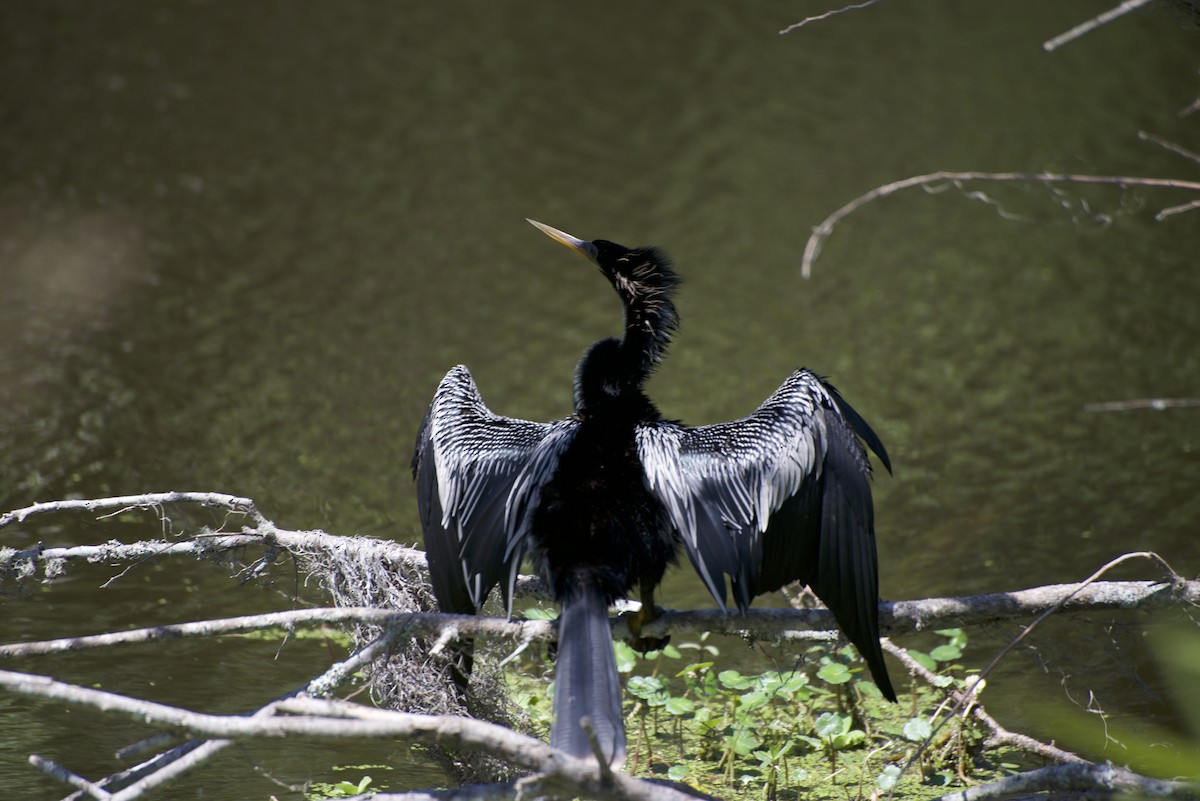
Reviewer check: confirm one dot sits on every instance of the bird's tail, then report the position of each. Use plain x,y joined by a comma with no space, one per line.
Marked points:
586,683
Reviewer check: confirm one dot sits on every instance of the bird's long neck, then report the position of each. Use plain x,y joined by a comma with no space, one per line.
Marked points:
649,323
650,316
611,374
608,383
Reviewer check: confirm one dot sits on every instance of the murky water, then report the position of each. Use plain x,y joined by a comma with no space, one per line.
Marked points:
239,245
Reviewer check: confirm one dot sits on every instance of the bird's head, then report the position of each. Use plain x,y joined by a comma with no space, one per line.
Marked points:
643,279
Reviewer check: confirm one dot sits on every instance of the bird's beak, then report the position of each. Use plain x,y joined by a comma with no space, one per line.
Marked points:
580,246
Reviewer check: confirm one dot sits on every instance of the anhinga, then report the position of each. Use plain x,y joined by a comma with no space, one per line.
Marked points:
602,499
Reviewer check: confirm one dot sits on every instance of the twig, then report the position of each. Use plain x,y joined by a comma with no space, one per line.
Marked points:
125,777
1150,555
999,734
24,563
165,767
577,776
211,499
1092,24
1077,778
1144,403
1178,150
425,622
963,700
1171,211
833,12
57,771
813,247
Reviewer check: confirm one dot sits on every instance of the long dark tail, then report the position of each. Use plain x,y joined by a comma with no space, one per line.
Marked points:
585,679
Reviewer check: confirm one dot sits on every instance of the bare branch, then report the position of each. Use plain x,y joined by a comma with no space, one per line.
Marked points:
833,12
895,617
210,499
1077,778
167,766
1171,211
1178,150
813,247
326,720
24,563
557,772
422,622
57,771
1074,593
1144,403
999,734
1092,24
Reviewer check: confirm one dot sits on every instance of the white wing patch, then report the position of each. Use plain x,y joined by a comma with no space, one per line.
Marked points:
722,483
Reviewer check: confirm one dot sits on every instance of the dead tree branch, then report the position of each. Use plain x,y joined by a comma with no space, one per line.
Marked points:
895,617
822,232
999,734
1092,24
166,766
1171,147
833,12
120,503
303,713
1073,779
556,773
1143,403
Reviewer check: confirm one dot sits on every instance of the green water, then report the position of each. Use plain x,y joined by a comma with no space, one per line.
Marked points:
240,244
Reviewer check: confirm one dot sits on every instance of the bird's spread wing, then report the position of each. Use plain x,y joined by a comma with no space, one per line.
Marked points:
777,496
466,463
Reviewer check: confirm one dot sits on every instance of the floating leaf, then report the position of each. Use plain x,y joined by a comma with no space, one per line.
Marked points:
851,739
923,659
753,700
834,673
734,680
649,688
946,653
917,729
957,637
831,724
626,657
794,682
889,778
743,742
680,706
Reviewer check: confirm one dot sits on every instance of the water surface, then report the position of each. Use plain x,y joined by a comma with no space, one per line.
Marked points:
240,244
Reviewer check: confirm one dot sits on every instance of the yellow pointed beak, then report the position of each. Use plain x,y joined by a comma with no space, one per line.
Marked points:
580,246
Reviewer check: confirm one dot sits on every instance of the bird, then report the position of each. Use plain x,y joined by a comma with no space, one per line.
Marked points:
603,500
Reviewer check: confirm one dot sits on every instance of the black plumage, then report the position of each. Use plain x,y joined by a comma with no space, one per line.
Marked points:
601,501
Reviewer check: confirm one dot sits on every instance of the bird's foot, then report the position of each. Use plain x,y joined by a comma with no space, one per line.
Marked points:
640,642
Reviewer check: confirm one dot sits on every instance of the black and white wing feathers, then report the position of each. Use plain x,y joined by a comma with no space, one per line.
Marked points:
780,495
466,463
